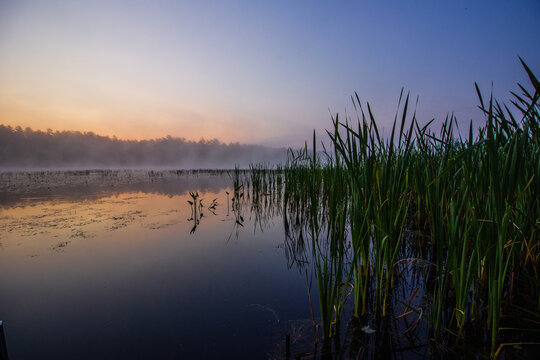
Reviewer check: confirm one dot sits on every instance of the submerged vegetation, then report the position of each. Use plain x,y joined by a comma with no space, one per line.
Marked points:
424,227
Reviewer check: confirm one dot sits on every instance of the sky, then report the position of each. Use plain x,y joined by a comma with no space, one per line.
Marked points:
257,72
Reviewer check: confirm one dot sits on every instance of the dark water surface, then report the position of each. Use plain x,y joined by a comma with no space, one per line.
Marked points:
117,265
112,270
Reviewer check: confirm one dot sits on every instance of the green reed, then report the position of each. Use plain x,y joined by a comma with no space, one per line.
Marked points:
472,202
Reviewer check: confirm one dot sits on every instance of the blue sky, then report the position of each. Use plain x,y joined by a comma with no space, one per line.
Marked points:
253,71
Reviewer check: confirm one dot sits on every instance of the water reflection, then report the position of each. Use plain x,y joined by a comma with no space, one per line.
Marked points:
200,265
28,188
115,272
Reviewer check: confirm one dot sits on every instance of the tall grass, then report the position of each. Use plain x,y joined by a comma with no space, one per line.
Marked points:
472,202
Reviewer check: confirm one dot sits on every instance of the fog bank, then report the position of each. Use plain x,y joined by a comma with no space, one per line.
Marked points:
26,148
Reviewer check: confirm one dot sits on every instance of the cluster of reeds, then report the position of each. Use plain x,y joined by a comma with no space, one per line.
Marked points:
468,204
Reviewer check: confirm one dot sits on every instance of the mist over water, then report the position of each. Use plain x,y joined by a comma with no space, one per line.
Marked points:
28,149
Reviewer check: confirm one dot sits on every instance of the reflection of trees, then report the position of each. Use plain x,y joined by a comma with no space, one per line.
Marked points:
94,184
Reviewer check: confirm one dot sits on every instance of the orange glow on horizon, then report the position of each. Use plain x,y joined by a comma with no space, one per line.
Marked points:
124,126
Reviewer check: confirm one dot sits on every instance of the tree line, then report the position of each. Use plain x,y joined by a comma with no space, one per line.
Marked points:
27,148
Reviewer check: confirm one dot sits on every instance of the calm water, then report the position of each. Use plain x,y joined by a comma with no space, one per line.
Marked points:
110,267
117,265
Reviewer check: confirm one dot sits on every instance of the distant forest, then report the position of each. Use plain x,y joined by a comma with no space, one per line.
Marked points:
26,148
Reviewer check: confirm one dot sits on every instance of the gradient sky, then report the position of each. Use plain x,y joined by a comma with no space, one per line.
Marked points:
252,71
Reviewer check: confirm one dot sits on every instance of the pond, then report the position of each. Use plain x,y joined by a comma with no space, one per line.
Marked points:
169,265
112,269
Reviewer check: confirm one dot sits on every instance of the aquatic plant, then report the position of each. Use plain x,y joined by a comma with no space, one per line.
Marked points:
468,209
